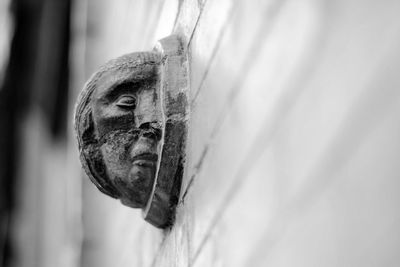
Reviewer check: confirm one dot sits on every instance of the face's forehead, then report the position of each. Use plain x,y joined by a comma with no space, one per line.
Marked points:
117,76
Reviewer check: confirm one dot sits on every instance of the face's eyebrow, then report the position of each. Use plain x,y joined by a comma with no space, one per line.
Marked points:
120,88
116,82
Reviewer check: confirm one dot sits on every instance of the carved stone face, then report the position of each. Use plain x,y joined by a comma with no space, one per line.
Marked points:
129,147
127,121
118,122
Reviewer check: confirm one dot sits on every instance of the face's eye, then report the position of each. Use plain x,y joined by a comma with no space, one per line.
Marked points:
126,102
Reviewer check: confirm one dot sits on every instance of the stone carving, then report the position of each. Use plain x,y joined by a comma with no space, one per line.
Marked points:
130,123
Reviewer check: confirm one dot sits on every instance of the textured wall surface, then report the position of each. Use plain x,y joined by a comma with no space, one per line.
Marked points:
292,158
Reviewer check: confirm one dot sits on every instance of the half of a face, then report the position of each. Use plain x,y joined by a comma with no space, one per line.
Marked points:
130,123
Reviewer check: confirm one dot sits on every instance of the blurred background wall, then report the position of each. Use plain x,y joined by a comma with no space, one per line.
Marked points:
293,150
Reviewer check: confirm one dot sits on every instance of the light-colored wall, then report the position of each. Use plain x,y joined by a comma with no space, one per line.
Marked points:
292,158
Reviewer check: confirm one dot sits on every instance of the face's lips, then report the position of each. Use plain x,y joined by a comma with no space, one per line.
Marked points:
146,156
145,160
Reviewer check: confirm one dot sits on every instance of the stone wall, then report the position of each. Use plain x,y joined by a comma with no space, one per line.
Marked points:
293,149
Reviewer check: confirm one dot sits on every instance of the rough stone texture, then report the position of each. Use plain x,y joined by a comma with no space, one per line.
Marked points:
173,92
293,138
130,125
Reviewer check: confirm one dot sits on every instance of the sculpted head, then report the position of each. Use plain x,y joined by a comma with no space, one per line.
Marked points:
118,124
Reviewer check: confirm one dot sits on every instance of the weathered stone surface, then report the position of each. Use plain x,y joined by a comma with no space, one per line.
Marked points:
130,123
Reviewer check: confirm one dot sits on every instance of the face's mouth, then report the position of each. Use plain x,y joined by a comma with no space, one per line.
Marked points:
145,159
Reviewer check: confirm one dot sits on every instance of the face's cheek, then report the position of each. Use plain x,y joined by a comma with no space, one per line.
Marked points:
115,152
116,160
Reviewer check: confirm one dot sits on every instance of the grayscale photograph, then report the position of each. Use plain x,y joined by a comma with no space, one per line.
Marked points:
199,133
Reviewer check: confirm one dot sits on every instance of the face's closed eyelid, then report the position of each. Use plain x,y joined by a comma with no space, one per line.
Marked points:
126,101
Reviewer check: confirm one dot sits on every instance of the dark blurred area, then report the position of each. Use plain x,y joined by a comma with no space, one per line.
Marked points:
35,77
44,62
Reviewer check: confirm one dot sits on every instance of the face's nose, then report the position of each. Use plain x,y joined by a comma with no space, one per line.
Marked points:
148,110
148,140
148,120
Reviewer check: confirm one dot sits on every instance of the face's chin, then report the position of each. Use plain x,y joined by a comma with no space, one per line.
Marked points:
136,187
